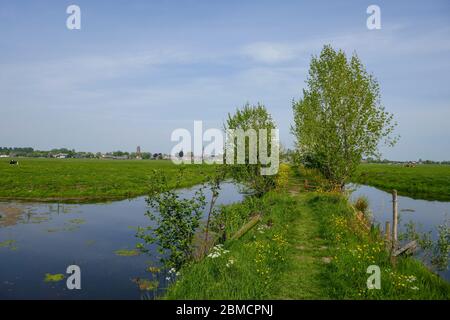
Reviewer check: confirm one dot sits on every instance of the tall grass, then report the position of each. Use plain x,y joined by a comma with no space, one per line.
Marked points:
362,204
355,250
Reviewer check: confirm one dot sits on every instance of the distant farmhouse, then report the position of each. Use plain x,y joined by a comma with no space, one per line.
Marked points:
60,156
189,157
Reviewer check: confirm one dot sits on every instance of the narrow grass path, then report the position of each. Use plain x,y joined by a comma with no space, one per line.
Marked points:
288,254
307,257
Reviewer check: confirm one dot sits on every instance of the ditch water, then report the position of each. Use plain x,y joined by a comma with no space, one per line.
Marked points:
36,239
426,215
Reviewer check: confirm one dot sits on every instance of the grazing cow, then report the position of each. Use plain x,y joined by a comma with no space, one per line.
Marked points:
410,164
14,162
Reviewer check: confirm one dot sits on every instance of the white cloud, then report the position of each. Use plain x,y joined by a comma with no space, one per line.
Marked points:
268,52
78,90
390,41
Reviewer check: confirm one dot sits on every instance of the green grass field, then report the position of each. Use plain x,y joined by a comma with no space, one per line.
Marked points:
85,180
430,182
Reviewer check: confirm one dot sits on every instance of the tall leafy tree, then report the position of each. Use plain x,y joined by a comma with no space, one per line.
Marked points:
340,118
251,118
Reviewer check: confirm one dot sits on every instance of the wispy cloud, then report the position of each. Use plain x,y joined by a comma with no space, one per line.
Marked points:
165,75
269,52
395,40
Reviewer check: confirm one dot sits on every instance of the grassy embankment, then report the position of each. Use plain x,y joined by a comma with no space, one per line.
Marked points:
308,245
427,181
89,180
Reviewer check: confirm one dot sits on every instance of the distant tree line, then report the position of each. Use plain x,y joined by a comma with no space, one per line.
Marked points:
134,155
386,161
67,153
30,152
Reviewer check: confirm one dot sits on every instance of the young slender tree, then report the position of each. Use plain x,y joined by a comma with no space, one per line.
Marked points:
340,118
251,118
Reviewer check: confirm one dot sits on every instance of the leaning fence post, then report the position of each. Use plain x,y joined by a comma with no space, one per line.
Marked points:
394,218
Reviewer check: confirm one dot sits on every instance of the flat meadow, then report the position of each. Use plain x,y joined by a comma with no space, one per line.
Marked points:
86,180
424,181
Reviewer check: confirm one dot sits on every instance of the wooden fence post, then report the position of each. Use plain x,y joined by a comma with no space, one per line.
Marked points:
387,231
394,219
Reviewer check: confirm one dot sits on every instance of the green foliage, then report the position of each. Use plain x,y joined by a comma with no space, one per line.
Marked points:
251,118
340,118
175,221
229,219
214,182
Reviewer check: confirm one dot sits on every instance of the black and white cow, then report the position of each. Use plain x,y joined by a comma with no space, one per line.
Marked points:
14,162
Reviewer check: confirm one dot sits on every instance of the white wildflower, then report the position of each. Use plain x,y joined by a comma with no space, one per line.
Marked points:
230,263
217,251
262,228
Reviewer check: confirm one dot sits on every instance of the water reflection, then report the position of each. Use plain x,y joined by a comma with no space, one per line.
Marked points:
427,215
12,213
49,237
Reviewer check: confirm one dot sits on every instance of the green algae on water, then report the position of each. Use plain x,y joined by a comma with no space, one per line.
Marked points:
10,244
77,221
127,252
53,277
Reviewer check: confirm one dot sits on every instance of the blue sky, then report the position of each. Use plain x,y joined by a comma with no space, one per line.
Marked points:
137,70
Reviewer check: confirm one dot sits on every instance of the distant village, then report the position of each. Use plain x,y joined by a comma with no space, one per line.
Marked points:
64,153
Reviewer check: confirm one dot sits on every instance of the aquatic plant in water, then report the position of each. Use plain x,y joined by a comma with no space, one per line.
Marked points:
53,277
153,269
146,284
77,221
127,252
10,244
